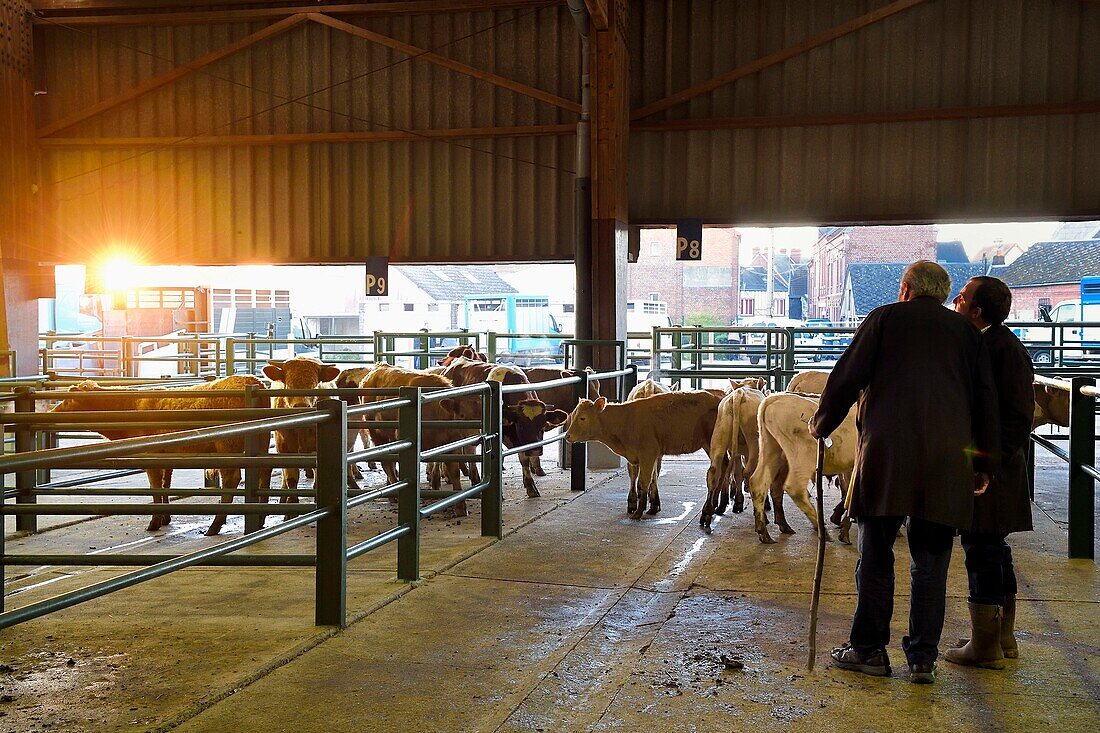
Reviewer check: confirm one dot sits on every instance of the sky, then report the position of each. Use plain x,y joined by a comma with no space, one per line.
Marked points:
973,236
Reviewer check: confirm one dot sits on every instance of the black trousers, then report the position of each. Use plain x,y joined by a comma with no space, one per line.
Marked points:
930,547
989,568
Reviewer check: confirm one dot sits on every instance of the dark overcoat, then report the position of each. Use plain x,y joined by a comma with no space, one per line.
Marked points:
925,415
1005,507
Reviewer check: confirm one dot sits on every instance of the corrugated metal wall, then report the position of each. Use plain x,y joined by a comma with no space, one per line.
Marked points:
18,162
943,53
511,199
458,200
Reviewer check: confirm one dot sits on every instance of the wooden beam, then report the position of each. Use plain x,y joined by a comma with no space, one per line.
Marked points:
869,118
597,9
433,58
372,136
170,76
778,57
246,15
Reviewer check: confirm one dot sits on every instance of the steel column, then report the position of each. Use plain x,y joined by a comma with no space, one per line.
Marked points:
492,498
330,485
1082,487
25,480
579,451
408,499
252,522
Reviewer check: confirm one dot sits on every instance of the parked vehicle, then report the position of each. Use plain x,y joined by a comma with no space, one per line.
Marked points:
516,313
1085,339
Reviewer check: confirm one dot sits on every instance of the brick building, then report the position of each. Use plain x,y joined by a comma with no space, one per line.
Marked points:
837,247
704,288
1050,272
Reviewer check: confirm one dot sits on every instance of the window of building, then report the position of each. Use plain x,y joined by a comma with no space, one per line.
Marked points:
708,277
748,307
410,306
383,306
780,308
433,307
568,308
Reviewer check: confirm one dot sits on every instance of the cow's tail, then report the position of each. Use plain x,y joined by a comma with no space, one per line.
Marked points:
739,405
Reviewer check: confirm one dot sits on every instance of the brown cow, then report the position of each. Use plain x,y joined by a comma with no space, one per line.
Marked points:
385,376
350,379
563,398
642,431
303,373
465,351
195,397
524,415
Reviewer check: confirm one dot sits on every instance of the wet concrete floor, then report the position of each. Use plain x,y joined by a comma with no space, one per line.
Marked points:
580,619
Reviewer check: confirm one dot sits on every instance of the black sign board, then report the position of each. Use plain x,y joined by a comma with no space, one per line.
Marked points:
689,239
378,276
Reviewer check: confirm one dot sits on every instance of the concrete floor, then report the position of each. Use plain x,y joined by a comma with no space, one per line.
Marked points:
580,619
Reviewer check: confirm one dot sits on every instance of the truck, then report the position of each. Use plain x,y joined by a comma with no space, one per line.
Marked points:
1085,338
514,313
642,316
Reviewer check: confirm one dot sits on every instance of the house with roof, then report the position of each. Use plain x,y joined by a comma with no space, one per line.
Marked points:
1048,273
951,252
428,296
753,295
871,284
998,253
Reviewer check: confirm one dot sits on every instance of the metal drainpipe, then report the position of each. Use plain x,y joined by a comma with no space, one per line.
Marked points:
582,198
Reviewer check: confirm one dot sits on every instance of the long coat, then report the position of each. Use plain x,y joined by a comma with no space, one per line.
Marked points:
925,415
1006,505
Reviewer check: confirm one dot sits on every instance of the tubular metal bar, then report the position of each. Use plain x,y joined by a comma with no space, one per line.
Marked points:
111,510
161,417
143,560
1055,449
197,461
80,480
386,450
378,540
457,457
430,454
427,424
369,407
181,492
453,499
383,492
443,394
531,446
65,600
1049,382
58,457
538,386
611,375
1091,471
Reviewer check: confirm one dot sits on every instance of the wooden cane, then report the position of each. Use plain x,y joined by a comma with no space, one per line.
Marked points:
819,568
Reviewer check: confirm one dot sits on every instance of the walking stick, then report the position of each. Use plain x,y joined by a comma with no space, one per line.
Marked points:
822,443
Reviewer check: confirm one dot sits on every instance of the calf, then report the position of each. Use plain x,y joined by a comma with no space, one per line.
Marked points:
734,451
385,376
643,389
195,397
1051,406
524,415
562,398
642,431
808,382
786,445
350,379
302,373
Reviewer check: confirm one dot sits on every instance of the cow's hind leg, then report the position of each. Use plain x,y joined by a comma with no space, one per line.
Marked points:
231,479
290,483
653,492
159,479
796,485
632,494
716,479
647,469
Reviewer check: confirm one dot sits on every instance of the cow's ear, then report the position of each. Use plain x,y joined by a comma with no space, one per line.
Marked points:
554,418
601,402
674,388
274,373
329,373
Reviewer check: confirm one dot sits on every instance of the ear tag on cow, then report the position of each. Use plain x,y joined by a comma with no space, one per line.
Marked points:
531,411
828,442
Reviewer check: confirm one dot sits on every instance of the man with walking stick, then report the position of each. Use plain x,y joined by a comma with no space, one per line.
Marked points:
925,406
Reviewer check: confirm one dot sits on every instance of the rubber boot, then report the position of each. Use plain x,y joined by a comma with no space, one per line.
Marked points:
984,648
1008,625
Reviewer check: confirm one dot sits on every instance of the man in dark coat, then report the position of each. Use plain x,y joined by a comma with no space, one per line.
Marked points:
1006,506
924,407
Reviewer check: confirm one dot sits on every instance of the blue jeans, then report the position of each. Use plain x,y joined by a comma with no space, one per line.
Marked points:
989,568
930,547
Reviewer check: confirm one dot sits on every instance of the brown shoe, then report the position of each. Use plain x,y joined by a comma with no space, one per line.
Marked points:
984,648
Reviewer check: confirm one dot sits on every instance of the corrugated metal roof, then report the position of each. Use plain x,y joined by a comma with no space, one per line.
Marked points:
938,54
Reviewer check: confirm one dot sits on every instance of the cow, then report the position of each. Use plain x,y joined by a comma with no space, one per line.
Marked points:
524,415
562,398
675,423
299,373
463,351
350,379
1051,406
195,397
385,376
734,449
786,445
808,382
643,389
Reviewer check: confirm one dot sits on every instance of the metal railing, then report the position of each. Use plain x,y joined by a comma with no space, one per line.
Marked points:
1081,457
415,349
195,354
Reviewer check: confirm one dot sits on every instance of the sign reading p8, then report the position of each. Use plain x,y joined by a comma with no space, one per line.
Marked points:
689,239
378,276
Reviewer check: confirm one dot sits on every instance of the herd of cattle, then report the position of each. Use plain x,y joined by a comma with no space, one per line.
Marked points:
756,441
